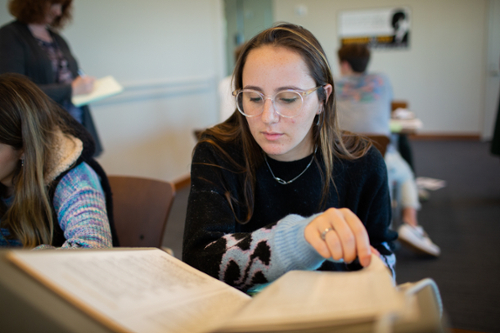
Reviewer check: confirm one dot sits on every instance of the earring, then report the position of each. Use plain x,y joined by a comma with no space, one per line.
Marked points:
319,116
22,162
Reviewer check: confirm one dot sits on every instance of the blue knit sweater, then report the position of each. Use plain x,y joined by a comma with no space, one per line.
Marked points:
81,212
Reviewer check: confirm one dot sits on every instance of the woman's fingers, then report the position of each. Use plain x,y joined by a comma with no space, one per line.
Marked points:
339,234
88,84
83,85
362,242
375,251
340,219
334,244
312,235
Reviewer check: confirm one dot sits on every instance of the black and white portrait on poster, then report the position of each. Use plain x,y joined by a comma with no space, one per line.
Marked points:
381,28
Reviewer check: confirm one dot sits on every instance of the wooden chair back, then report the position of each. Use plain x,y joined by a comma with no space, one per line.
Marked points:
379,141
398,104
140,208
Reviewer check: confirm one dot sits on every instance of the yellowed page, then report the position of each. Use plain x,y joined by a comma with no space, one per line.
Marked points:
140,290
302,299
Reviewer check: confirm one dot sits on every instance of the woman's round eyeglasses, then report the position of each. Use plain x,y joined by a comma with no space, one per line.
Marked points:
287,103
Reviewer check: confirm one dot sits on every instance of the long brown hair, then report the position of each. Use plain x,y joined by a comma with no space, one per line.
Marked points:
28,122
327,136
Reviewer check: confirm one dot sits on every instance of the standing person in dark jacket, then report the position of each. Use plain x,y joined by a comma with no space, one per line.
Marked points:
31,46
277,186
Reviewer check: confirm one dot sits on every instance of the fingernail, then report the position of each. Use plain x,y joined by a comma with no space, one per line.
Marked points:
365,261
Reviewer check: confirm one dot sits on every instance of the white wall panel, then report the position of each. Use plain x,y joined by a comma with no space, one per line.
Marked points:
441,75
168,55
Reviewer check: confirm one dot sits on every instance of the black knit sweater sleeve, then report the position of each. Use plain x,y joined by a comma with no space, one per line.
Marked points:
209,215
365,191
244,255
217,244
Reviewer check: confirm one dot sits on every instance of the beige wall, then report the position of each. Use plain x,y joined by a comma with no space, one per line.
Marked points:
168,56
442,75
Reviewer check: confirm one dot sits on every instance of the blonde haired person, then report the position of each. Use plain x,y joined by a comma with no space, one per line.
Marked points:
52,192
277,186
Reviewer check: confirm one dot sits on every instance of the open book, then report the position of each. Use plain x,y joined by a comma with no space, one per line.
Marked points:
147,290
103,88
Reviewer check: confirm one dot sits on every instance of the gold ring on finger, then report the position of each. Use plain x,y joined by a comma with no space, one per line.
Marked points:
323,234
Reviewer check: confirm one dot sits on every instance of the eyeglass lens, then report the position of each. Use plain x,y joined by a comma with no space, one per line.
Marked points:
286,103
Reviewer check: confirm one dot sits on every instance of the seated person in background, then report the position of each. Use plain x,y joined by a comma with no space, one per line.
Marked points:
277,187
364,106
51,190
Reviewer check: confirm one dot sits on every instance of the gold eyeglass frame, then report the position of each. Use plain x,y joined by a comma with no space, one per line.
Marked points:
302,95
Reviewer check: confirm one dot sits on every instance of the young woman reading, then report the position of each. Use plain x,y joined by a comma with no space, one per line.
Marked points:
277,186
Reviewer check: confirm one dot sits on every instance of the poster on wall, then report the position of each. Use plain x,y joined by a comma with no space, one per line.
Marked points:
380,28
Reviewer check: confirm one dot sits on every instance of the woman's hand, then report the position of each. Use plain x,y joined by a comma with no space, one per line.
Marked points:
82,85
339,234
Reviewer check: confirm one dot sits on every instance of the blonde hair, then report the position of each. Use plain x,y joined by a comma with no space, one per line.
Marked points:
28,121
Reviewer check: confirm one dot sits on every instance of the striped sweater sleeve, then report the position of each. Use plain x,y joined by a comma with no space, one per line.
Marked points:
81,210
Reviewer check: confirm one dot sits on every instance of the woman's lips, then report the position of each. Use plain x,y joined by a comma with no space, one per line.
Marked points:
272,136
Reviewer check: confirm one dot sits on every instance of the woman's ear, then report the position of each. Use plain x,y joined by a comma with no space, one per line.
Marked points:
21,157
328,91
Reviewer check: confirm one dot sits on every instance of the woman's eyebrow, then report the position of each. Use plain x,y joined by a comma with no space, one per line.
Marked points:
253,88
276,90
288,88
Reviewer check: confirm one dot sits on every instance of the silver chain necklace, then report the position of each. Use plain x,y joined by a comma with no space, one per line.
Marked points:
286,182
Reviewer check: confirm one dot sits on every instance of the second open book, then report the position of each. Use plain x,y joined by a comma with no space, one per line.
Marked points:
147,290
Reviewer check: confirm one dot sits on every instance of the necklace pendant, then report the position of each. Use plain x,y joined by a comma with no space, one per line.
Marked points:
285,182
281,181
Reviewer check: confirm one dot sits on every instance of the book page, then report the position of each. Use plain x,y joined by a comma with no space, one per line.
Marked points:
103,87
306,299
144,290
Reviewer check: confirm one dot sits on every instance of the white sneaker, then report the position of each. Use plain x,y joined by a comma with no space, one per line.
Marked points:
416,238
423,194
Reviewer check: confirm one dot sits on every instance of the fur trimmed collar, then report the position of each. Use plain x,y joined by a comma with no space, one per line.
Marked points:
66,151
